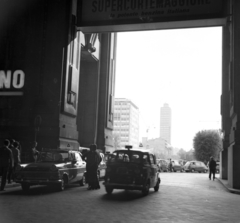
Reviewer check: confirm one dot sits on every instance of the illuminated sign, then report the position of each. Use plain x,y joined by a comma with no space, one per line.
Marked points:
11,83
120,12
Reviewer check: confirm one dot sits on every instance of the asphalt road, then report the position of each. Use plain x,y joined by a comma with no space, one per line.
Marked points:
183,197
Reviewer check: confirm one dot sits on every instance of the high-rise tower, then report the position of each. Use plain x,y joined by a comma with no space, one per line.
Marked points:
165,123
126,122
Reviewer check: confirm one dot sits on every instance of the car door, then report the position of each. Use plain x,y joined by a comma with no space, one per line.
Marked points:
79,166
193,166
102,167
154,170
198,166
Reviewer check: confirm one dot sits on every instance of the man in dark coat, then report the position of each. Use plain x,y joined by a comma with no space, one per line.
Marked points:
6,162
16,160
212,168
93,160
170,165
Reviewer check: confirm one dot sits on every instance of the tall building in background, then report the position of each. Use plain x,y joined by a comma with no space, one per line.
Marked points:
126,122
165,123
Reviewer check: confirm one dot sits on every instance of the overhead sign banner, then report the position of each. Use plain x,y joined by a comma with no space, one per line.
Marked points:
119,12
11,82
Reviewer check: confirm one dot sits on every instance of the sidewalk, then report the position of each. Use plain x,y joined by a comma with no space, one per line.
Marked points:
13,184
225,184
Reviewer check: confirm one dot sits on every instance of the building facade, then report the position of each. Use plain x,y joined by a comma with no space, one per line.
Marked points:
54,88
126,122
165,123
156,145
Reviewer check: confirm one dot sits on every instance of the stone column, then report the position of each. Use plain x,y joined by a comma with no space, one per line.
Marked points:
225,99
234,149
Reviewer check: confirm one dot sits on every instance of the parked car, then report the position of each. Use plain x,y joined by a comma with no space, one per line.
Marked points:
162,165
55,167
176,166
102,167
132,169
182,162
195,166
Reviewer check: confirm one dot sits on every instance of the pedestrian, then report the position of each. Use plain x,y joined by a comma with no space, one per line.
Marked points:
170,165
16,160
11,169
93,160
35,152
6,162
212,168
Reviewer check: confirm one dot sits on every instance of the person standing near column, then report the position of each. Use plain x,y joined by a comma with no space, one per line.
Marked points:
6,162
10,171
93,159
35,152
16,159
212,168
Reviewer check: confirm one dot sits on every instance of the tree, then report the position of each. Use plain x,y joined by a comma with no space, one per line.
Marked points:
182,154
186,155
116,141
190,155
169,150
207,143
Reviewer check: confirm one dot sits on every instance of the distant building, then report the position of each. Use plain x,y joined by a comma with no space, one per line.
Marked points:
158,146
126,122
165,123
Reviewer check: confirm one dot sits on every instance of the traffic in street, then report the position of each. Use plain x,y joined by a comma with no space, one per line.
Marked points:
182,197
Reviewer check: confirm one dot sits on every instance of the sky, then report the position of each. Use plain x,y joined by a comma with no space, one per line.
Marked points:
180,67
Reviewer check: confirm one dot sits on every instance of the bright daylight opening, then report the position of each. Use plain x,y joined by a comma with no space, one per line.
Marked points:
182,68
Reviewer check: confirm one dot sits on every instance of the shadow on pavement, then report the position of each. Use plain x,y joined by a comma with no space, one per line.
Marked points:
38,190
126,195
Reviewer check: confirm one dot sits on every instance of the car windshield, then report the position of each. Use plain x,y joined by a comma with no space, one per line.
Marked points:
175,162
125,156
53,157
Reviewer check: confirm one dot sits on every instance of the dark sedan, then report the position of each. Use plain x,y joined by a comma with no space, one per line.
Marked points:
55,167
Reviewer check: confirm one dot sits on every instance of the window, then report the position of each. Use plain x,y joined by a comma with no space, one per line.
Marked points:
152,161
145,159
78,157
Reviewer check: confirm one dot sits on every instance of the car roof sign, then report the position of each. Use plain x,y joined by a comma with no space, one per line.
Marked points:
128,147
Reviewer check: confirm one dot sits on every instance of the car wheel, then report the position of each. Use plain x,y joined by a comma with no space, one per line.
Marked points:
156,188
83,180
205,171
25,187
63,183
146,188
109,190
193,170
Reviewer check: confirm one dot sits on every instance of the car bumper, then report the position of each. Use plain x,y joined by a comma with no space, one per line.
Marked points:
38,182
123,186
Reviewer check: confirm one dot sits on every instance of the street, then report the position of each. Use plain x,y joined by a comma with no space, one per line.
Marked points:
182,197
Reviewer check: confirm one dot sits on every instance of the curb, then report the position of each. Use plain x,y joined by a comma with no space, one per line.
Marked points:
230,189
11,185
